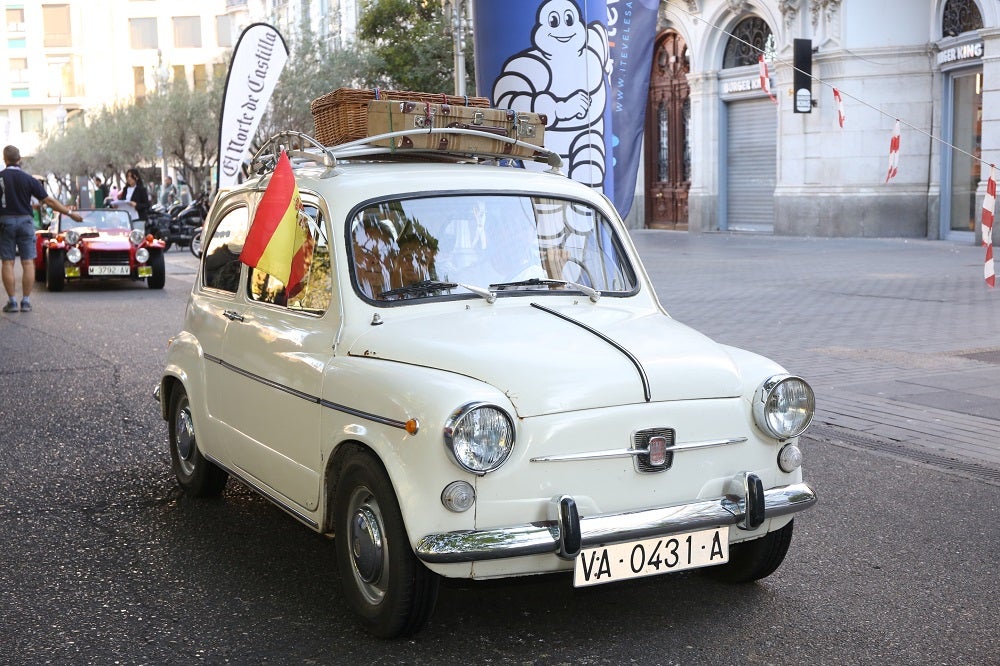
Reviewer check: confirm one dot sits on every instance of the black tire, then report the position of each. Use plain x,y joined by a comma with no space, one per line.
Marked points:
753,560
196,475
55,270
159,276
390,591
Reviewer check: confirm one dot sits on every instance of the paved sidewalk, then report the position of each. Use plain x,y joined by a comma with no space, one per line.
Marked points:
900,339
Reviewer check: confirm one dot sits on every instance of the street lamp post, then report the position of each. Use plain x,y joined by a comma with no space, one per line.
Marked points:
61,114
458,13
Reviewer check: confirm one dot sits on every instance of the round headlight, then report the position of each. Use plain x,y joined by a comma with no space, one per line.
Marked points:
783,406
73,255
480,437
71,237
142,255
136,237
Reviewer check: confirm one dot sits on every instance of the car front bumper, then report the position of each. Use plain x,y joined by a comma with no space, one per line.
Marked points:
747,506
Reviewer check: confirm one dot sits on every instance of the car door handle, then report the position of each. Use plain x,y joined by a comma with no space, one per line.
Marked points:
232,315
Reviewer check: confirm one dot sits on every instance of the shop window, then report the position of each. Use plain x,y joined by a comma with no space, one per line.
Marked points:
224,30
18,70
55,19
187,32
200,74
139,82
960,16
31,120
750,38
142,33
15,19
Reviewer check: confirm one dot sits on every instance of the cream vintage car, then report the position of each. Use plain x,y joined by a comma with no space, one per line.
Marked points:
475,380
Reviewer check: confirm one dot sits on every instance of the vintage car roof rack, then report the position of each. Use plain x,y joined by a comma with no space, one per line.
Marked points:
302,148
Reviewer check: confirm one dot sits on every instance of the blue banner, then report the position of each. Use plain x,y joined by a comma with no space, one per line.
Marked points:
585,67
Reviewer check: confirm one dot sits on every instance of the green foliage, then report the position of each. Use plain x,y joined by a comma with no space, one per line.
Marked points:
403,44
313,69
413,43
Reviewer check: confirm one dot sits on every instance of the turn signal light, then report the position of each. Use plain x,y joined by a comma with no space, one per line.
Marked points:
412,426
149,238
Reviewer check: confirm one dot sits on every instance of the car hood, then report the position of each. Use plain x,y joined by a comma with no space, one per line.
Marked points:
107,240
556,359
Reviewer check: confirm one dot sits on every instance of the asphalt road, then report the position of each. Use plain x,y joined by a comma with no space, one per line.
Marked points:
103,561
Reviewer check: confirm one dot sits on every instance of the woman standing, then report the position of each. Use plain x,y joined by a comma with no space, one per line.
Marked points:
135,193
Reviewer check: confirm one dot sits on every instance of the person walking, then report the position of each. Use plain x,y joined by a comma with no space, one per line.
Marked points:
17,229
100,193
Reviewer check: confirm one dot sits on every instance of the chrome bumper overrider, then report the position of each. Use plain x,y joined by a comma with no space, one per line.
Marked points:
747,507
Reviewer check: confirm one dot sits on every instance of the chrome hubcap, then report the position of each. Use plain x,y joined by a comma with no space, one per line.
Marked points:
184,439
368,546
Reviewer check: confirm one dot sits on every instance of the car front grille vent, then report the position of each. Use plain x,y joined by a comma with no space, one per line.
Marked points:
659,458
116,258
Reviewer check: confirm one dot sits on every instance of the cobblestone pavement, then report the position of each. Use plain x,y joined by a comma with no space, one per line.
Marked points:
900,339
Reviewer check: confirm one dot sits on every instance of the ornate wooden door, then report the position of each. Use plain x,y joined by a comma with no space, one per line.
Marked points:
668,154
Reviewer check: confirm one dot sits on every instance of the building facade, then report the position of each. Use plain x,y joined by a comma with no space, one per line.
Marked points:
720,154
60,58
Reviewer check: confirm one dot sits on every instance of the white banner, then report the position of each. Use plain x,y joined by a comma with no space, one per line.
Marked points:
258,59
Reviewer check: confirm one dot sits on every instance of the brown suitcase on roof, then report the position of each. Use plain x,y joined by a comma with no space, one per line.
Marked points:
393,116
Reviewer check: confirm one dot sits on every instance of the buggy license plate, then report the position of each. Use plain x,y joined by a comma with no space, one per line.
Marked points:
109,270
635,559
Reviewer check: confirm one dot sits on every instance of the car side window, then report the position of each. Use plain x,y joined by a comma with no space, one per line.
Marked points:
221,268
310,274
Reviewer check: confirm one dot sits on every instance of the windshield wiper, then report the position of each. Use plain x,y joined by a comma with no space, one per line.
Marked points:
590,292
418,288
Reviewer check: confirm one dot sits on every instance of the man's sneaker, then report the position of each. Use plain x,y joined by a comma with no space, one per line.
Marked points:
10,307
25,306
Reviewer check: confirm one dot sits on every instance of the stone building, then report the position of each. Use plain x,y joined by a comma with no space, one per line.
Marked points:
721,155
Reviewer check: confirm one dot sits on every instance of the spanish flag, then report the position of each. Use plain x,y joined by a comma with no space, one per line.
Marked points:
276,241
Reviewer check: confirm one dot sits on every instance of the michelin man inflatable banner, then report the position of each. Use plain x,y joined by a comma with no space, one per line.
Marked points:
585,65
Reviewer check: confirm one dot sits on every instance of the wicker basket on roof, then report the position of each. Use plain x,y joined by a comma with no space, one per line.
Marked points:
342,115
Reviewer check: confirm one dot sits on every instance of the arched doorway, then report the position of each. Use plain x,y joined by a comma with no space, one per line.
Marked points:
668,153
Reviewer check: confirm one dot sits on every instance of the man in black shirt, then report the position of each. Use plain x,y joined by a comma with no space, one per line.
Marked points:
17,229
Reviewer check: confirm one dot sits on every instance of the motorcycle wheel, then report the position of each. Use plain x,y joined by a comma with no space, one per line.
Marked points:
195,246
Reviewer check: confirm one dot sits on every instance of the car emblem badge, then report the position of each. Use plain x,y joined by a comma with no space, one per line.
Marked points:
657,449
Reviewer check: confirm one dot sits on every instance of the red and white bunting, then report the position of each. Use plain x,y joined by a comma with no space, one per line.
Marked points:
765,79
893,154
841,116
989,204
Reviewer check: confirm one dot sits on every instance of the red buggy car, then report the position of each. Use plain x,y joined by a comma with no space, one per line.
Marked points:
105,245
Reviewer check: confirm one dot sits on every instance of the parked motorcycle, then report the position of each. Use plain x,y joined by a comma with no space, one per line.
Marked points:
195,246
179,223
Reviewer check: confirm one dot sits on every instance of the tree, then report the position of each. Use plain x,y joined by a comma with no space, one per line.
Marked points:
413,43
186,127
313,69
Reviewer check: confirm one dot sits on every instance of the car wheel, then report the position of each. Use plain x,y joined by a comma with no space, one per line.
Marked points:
196,475
753,560
159,276
55,271
390,591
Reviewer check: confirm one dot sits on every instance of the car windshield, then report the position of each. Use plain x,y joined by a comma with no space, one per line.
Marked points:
428,247
96,219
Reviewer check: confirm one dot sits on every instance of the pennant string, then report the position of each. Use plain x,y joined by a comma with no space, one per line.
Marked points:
821,82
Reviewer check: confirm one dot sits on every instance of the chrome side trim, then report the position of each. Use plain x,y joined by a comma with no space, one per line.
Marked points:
260,490
544,537
384,420
625,453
